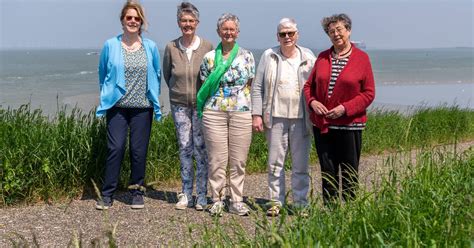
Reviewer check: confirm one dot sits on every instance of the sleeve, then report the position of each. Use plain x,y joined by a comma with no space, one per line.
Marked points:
103,60
156,65
167,65
257,87
204,69
250,65
361,101
309,88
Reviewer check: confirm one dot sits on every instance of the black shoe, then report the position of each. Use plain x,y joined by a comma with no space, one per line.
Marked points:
137,202
104,203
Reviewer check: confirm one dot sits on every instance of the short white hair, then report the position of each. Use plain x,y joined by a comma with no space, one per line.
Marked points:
287,23
228,17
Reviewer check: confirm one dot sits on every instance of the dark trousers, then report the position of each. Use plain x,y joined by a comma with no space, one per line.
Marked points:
338,149
119,121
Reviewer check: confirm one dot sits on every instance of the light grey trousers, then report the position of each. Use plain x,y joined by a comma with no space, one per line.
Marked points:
288,132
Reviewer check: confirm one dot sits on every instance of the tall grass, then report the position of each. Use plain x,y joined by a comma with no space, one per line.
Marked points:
46,158
431,206
426,126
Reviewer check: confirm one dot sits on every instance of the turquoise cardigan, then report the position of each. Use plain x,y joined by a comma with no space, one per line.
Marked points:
112,75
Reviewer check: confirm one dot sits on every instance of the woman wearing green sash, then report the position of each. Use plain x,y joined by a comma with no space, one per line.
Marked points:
224,104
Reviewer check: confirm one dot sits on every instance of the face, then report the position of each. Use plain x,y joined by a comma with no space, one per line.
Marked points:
131,22
228,32
338,34
187,23
287,37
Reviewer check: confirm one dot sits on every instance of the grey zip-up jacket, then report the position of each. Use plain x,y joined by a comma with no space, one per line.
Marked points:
268,75
182,75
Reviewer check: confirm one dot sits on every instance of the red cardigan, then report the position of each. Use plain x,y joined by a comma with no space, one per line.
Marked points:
354,89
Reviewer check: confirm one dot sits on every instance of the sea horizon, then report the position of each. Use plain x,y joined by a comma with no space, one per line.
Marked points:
405,78
162,47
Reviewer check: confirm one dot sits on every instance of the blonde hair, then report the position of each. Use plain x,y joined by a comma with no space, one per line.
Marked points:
133,4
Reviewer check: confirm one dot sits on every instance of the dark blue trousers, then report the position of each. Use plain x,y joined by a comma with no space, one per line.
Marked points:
338,149
119,122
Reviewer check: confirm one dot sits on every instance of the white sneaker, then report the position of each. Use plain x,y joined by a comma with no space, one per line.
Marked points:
182,201
217,208
199,207
239,208
274,210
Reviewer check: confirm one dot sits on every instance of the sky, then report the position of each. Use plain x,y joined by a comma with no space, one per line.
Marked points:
381,24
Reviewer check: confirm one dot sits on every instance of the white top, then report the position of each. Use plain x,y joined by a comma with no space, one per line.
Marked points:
189,50
288,101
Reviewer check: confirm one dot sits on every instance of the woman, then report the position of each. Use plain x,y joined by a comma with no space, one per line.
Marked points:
181,62
278,105
224,103
338,92
129,80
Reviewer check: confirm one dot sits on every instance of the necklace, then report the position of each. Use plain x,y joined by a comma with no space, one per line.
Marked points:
340,56
133,47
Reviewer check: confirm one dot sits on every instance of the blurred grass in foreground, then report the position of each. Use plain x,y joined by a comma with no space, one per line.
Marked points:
48,158
414,205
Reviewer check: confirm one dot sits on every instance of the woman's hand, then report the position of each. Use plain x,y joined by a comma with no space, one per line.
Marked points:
318,108
257,123
336,112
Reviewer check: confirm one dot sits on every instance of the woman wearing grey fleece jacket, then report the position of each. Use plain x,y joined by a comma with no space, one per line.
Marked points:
181,62
279,109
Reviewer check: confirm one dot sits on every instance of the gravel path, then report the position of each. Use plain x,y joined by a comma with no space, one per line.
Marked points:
159,224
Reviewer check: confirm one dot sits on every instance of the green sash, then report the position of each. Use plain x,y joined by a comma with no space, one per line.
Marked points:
211,85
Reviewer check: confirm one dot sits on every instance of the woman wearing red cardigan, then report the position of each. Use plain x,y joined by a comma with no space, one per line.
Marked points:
338,92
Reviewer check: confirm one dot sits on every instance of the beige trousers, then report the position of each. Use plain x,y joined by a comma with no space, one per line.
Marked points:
228,136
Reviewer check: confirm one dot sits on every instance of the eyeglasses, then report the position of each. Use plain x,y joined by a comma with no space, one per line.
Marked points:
336,30
284,34
229,30
190,21
136,18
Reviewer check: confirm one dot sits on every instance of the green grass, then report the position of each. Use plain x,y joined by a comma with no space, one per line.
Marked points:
431,205
49,158
391,130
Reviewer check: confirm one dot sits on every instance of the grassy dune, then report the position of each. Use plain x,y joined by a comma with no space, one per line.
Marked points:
49,158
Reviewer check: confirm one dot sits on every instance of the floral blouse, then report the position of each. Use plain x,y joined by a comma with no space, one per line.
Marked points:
234,91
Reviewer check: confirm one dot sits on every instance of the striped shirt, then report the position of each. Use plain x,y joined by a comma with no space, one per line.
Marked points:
336,68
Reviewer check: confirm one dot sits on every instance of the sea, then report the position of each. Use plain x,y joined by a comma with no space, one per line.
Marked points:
405,79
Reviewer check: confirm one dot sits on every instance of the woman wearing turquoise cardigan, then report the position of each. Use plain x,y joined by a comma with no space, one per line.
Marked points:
129,80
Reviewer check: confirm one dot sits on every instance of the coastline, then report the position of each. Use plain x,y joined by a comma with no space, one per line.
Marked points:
404,98
85,102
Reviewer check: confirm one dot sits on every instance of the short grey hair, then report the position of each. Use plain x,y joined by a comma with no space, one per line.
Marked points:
345,19
287,23
189,9
228,17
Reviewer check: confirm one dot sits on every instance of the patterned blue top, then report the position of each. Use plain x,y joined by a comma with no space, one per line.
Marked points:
135,80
